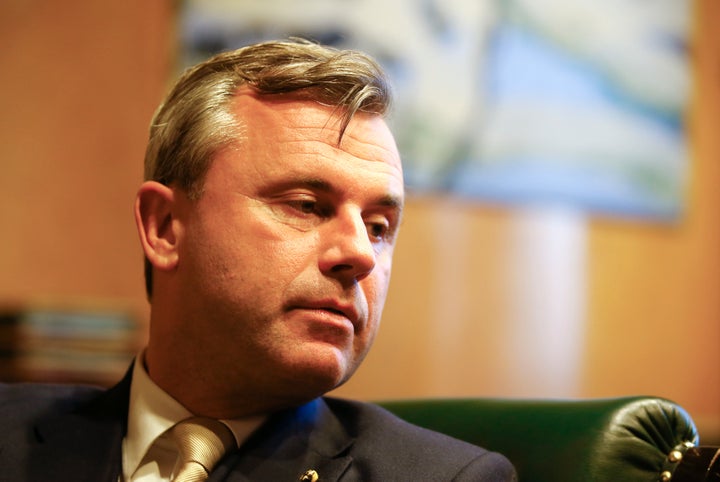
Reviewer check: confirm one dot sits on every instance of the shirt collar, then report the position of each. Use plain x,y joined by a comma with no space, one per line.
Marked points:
153,411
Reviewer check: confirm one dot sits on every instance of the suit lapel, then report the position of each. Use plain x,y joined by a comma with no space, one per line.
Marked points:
84,445
290,443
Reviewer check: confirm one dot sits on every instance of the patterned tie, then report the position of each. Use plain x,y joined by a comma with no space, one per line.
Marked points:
201,442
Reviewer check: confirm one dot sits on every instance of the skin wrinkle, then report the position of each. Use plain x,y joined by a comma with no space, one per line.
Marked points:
288,103
312,184
347,137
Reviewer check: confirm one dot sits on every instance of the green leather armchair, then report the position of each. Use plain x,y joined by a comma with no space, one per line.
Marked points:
619,440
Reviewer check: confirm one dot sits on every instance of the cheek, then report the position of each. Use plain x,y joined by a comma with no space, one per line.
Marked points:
375,289
219,257
382,272
257,246
275,243
268,270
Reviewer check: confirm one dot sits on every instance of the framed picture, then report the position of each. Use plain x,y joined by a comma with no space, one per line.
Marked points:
571,102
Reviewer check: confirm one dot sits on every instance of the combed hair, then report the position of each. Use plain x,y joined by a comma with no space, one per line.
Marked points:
195,120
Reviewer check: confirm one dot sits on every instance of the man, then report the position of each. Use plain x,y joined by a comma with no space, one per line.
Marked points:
268,220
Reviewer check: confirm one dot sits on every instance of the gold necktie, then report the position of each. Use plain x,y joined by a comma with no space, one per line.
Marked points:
201,442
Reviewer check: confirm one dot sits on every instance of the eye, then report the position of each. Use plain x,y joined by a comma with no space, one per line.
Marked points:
305,206
303,211
378,230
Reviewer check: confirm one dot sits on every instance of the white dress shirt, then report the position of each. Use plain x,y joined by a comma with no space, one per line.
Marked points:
148,452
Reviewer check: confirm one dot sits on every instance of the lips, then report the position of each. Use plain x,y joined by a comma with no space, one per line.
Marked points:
346,310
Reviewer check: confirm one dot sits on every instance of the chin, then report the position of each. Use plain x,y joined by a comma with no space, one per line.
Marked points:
324,372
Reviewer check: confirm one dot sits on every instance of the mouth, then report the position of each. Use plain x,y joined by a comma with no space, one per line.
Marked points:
333,308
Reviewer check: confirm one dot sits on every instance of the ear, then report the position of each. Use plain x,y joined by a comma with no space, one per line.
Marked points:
155,217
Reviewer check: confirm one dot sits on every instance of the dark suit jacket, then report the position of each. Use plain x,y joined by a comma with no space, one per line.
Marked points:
74,434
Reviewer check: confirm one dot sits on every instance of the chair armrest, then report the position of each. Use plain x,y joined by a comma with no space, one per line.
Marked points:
620,439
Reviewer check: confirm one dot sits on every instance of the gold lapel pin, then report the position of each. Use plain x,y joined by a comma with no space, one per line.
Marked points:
309,476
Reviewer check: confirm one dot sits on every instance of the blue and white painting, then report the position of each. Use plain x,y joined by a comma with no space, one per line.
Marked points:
562,102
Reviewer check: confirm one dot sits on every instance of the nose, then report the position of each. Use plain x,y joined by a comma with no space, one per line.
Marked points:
348,252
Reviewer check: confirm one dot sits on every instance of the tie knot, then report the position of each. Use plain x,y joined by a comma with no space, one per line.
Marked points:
201,443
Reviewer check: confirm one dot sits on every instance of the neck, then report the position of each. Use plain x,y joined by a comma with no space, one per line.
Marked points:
202,394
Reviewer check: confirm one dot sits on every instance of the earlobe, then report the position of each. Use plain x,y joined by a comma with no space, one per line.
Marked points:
155,219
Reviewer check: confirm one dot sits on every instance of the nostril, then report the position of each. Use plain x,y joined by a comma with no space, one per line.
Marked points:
341,267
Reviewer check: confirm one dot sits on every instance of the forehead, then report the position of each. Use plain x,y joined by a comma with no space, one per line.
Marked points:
284,122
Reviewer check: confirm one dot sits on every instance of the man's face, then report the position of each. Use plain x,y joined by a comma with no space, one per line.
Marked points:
285,259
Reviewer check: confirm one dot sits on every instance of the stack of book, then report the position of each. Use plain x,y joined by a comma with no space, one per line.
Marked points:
66,346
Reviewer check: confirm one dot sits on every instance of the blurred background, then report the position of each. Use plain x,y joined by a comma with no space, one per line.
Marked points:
562,234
